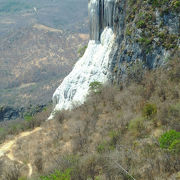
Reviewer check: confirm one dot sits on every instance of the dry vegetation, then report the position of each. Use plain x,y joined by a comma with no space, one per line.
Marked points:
114,135
34,60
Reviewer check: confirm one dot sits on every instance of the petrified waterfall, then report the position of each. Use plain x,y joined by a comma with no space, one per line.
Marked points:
100,16
94,65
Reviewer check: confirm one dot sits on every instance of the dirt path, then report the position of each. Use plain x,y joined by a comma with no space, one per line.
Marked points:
7,147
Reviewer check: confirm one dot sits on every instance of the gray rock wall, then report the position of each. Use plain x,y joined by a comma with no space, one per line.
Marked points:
143,34
100,16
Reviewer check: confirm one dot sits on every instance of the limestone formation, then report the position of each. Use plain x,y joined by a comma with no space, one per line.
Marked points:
100,17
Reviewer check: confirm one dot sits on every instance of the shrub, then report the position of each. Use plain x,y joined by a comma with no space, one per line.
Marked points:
12,173
114,135
136,125
141,24
28,117
175,146
135,72
82,50
60,116
170,140
95,86
175,4
101,147
22,178
149,110
58,175
157,3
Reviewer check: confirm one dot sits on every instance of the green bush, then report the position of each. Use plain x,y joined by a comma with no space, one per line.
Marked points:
82,50
95,86
58,175
28,117
22,178
170,140
101,147
141,24
175,146
157,3
175,4
149,110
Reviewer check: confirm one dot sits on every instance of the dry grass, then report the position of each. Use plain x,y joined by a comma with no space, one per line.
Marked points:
117,127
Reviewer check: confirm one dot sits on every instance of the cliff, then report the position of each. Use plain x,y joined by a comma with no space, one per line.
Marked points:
126,131
146,31
122,33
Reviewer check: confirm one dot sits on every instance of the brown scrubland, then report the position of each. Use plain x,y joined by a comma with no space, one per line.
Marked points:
115,135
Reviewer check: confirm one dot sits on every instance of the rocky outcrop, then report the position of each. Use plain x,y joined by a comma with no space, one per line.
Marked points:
146,32
94,65
122,33
11,113
100,17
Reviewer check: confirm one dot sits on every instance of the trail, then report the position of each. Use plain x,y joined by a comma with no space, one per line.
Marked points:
7,147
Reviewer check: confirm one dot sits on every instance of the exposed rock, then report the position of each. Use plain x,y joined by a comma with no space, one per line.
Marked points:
11,113
93,66
144,32
100,17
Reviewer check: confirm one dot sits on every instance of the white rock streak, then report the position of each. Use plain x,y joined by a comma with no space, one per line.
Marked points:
93,66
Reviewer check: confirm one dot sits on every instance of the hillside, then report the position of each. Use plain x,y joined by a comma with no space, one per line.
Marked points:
115,134
39,43
116,115
54,13
34,60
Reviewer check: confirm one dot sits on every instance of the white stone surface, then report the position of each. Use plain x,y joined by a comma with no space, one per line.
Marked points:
100,16
93,66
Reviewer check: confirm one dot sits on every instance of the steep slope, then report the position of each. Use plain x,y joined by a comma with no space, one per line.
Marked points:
146,32
94,65
118,127
39,40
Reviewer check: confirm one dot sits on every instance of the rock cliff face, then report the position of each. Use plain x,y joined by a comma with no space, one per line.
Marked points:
95,63
7,113
122,33
146,32
100,16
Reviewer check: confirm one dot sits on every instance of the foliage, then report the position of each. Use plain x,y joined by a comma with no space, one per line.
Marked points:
58,175
136,125
114,137
170,140
113,120
95,86
149,110
22,178
145,41
101,147
141,24
28,117
16,126
82,50
157,3
135,72
175,146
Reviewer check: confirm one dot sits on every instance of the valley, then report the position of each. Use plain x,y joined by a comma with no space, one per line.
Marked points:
39,42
